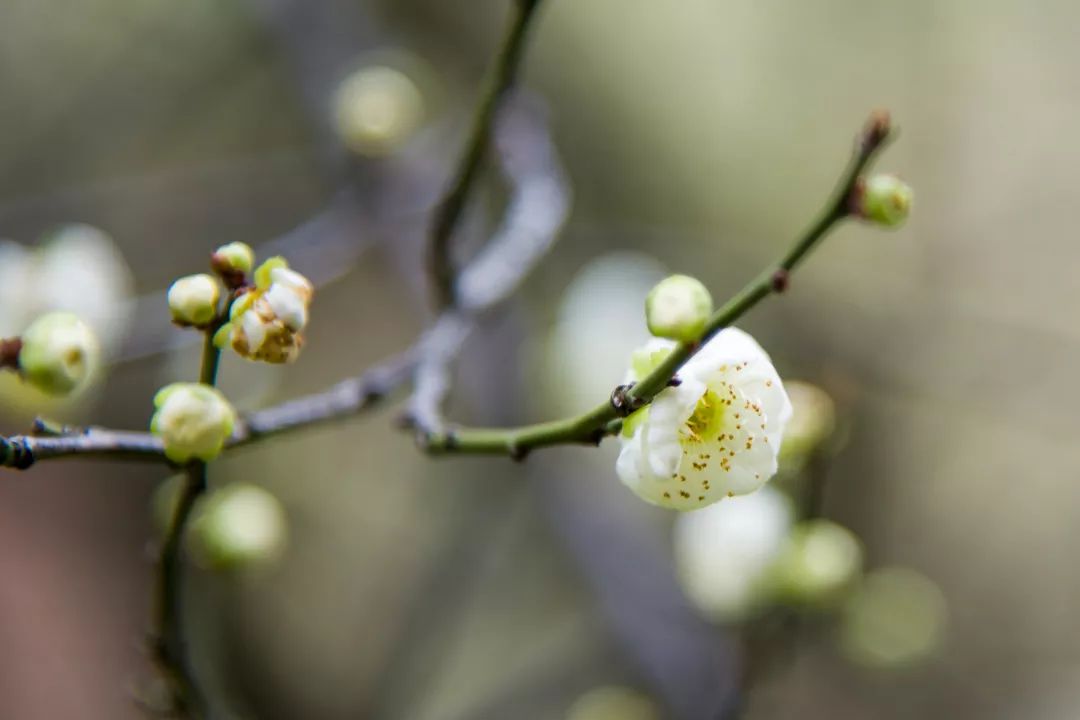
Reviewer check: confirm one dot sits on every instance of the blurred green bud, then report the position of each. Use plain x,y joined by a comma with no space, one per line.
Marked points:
193,300
819,564
886,200
678,308
59,352
896,618
238,526
613,702
377,109
193,421
235,257
812,422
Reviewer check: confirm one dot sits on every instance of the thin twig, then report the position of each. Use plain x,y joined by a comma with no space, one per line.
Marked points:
449,210
168,642
354,395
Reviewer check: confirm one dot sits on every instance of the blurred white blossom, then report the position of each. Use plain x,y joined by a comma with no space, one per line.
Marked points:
79,268
596,329
723,553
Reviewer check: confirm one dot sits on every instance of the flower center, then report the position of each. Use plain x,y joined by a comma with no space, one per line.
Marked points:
707,418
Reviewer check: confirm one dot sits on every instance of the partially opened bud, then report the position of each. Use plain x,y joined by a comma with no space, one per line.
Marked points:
237,526
267,323
885,200
59,352
235,257
678,308
193,300
193,421
821,561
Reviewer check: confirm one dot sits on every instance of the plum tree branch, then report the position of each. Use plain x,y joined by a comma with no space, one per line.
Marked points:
530,226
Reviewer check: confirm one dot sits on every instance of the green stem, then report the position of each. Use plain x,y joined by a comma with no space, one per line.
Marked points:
211,359
448,212
170,644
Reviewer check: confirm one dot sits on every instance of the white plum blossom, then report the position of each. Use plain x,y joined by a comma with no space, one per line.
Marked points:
723,553
714,435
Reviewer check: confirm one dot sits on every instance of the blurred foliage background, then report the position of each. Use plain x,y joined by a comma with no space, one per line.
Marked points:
699,137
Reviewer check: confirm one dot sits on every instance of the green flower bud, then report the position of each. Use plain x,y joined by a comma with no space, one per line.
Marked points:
238,526
613,702
59,352
819,563
897,617
813,421
377,109
678,308
193,300
235,257
886,200
193,421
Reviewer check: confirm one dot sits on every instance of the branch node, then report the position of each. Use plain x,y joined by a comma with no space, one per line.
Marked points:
622,403
877,128
9,352
781,281
517,452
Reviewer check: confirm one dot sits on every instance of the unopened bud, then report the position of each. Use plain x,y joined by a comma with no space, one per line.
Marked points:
193,420
885,200
193,300
377,109
820,562
678,308
897,617
59,352
235,257
812,423
238,526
